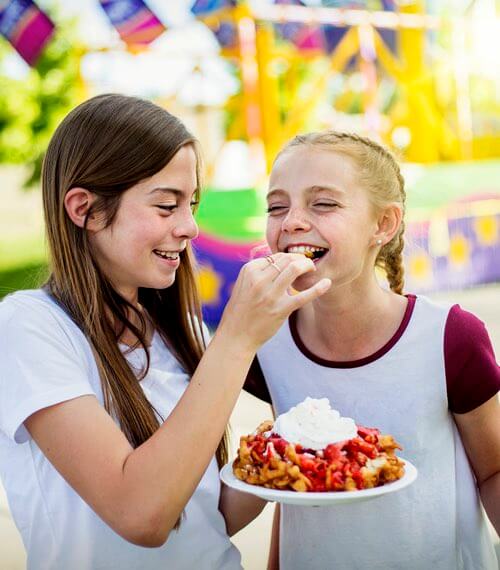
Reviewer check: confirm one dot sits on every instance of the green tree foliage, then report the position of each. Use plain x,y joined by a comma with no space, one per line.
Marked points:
32,107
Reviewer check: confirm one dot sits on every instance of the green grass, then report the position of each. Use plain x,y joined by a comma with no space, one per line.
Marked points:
23,263
27,276
18,251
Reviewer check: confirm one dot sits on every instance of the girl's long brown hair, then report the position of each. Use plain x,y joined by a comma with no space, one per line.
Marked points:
106,145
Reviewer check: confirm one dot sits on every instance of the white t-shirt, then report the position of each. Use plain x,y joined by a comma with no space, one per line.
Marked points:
434,524
45,359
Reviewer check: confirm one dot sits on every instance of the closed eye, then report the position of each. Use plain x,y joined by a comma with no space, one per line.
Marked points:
326,204
275,209
167,208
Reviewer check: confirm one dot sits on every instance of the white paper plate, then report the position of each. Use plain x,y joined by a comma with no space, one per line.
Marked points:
318,499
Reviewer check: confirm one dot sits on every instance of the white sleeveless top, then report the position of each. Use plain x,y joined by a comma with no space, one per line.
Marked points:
45,359
437,522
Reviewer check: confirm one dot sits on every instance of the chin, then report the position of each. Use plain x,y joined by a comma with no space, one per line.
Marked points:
160,284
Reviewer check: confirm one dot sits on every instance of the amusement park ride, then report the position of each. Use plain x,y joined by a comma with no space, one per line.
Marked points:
289,55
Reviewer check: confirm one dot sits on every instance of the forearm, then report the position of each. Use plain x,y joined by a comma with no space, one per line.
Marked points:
490,497
161,475
238,509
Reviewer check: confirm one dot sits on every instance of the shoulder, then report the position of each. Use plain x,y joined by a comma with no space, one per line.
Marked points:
465,336
460,322
429,310
472,373
44,360
32,318
27,303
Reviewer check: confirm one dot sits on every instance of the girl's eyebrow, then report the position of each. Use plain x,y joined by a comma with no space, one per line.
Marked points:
311,190
327,187
166,190
276,192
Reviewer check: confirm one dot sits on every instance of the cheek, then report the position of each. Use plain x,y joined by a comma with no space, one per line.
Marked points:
145,231
272,233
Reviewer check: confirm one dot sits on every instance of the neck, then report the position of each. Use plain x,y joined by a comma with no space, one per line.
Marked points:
127,336
352,321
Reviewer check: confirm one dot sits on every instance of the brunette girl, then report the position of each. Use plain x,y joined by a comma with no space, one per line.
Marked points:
112,413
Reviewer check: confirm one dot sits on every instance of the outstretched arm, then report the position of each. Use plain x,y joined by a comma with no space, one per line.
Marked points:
141,492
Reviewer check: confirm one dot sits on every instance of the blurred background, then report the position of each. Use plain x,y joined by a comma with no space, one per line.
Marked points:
422,77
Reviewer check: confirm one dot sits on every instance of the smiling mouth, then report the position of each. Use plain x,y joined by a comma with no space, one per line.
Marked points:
173,255
310,251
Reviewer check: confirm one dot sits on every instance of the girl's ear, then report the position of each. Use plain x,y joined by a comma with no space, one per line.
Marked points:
388,224
77,203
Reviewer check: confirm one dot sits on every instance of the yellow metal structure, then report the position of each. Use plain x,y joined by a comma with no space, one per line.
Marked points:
280,98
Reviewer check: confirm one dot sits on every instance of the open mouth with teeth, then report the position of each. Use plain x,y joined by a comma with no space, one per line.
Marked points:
172,255
310,251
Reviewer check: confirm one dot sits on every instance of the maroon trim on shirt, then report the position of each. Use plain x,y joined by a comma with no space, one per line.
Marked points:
362,361
472,374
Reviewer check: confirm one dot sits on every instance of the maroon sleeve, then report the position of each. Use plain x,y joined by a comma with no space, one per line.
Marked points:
255,383
472,373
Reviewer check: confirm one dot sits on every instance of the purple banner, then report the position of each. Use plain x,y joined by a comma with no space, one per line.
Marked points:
26,27
134,21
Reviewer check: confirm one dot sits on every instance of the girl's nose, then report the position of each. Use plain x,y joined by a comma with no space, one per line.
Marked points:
295,221
187,227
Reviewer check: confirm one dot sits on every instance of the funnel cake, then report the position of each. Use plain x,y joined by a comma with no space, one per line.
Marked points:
362,462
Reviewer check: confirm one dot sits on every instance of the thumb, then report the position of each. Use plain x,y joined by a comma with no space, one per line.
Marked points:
304,297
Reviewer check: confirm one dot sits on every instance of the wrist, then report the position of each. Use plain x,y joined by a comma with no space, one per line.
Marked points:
237,345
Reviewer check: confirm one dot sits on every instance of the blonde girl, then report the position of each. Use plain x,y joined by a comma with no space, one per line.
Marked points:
112,413
423,372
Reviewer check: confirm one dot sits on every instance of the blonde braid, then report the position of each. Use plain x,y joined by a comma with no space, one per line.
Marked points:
390,256
379,172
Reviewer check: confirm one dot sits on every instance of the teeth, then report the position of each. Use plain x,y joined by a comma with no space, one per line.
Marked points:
167,254
304,249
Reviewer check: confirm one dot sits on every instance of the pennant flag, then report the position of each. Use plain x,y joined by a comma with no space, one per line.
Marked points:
26,27
204,7
134,21
225,32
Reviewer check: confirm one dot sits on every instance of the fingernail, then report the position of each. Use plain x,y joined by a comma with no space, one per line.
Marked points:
325,283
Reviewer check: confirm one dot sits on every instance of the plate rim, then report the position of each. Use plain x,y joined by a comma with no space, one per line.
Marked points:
319,497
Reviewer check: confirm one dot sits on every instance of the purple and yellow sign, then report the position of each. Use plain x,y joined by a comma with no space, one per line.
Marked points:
134,21
26,27
454,252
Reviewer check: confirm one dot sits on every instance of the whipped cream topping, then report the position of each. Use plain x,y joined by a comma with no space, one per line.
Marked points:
314,424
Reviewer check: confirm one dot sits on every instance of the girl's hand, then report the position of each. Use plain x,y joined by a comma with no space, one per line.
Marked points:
260,301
